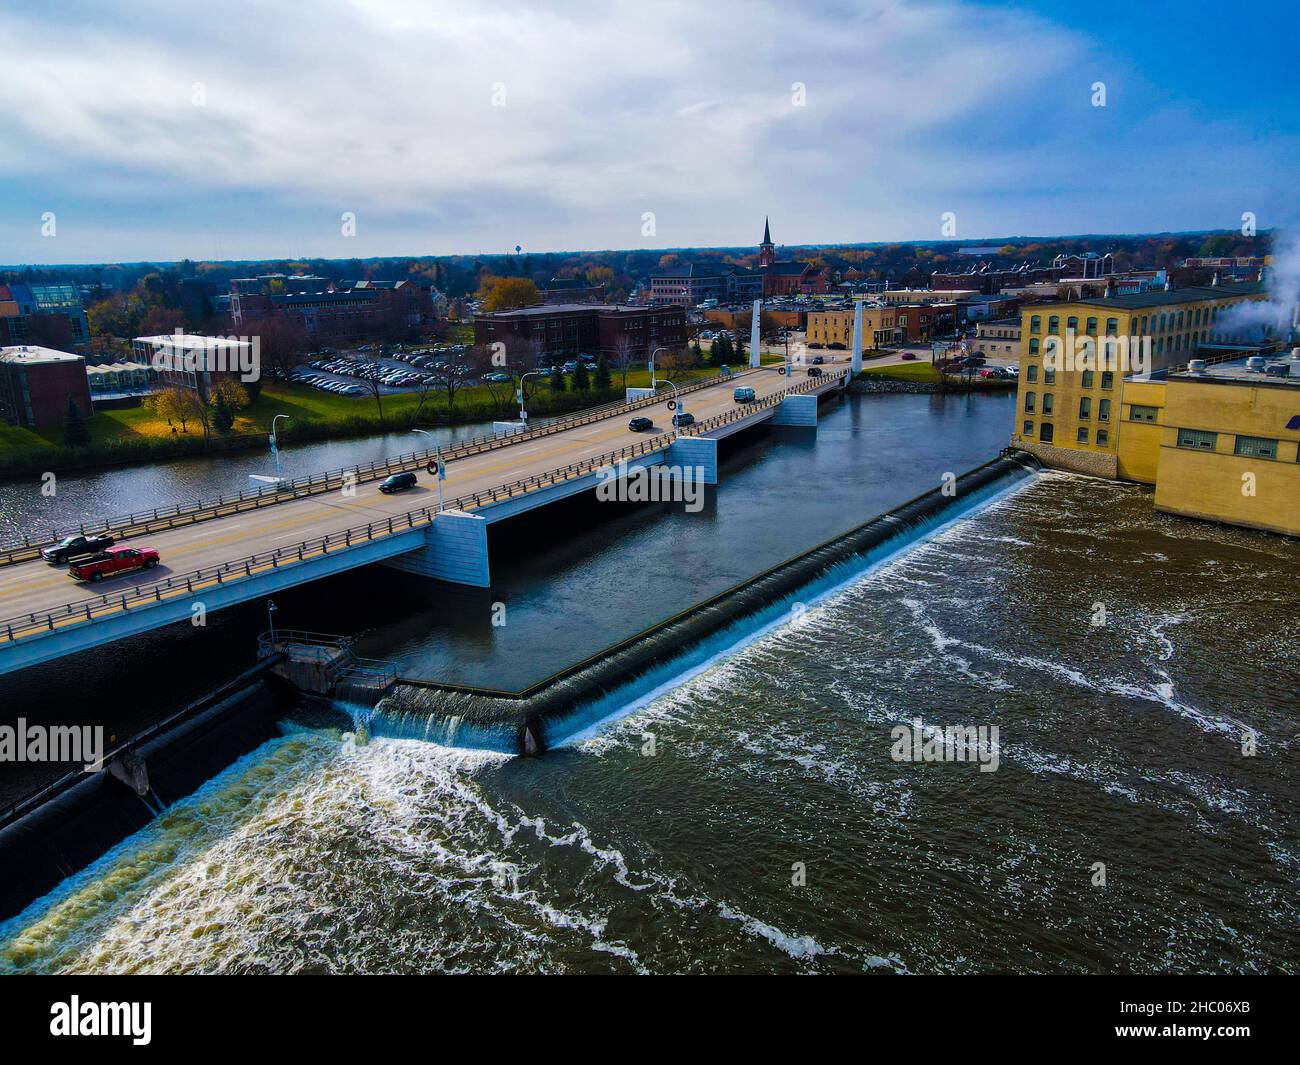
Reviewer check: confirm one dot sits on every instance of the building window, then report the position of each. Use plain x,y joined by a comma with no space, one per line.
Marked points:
1048,402
1103,438
1054,324
1035,323
1107,379
1072,323
1029,402
1258,447
1033,345
1197,439
1103,411
1142,414
1045,432
1028,429
1031,374
1112,327
1088,378
1091,327
1049,377
1082,436
1085,407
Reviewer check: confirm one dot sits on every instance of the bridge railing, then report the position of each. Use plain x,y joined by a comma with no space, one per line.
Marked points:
169,517
87,611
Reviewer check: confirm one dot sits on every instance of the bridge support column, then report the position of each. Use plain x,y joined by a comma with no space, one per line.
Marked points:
857,336
695,451
755,321
796,410
455,550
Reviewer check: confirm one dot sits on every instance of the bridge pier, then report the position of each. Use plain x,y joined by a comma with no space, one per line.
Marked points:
796,410
695,452
455,549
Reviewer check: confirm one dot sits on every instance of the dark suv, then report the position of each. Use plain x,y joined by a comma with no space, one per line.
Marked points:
640,424
398,482
684,418
75,546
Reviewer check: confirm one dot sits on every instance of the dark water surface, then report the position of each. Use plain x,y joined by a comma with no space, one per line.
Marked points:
752,818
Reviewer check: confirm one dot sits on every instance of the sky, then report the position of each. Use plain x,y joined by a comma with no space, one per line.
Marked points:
140,130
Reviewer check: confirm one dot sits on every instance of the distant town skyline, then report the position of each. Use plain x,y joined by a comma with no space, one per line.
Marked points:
391,128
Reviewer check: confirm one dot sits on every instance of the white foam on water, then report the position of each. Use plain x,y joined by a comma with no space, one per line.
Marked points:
730,643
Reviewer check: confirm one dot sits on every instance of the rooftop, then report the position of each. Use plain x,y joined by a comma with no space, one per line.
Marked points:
32,354
191,340
1236,371
1162,298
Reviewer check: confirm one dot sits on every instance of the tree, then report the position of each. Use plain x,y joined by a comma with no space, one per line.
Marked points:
623,357
557,379
508,293
603,380
223,418
740,347
178,405
581,379
75,431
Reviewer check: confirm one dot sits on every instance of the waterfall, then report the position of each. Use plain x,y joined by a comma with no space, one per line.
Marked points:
634,671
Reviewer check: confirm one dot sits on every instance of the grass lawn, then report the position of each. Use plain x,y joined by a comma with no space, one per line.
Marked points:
906,371
138,434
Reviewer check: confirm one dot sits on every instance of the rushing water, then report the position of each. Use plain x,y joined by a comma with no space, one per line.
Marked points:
671,840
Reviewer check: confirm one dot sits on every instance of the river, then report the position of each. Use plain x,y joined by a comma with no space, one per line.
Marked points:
752,818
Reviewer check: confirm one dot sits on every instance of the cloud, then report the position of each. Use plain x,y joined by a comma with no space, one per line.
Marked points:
388,108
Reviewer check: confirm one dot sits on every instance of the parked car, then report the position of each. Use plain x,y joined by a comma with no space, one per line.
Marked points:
640,424
112,562
75,546
398,482
818,360
684,418
498,377
743,395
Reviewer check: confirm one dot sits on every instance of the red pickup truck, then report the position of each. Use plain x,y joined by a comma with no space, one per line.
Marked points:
112,562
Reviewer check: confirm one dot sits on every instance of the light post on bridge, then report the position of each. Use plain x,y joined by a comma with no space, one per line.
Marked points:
437,460
656,351
519,396
275,453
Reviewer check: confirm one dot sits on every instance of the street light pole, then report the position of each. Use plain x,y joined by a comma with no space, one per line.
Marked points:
275,449
437,458
656,351
523,414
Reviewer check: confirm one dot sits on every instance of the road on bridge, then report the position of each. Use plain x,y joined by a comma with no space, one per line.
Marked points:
35,586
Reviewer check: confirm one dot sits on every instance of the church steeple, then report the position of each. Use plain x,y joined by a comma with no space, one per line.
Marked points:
766,250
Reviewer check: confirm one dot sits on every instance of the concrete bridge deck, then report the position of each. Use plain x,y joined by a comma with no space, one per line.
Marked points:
246,554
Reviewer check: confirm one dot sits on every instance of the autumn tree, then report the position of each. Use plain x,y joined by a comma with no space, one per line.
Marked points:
508,293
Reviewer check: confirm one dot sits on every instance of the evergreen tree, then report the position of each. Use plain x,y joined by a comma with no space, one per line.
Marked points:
698,355
75,431
581,379
740,347
557,379
223,418
603,379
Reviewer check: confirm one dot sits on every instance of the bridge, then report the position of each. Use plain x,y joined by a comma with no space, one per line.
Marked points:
226,551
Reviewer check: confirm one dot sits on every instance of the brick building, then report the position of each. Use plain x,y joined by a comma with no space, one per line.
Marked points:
35,384
584,328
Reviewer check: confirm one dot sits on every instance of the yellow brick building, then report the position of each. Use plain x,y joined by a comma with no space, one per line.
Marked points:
1230,447
879,328
1069,415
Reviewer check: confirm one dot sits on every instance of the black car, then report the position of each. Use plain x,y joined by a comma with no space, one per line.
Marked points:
398,482
76,546
818,359
684,418
814,371
640,425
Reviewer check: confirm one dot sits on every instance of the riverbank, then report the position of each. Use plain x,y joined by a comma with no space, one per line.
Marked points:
921,378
